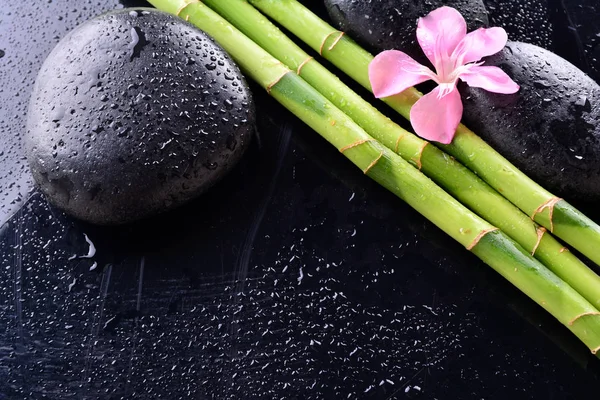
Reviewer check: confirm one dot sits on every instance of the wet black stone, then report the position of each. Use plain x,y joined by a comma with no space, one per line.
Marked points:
550,128
392,24
121,124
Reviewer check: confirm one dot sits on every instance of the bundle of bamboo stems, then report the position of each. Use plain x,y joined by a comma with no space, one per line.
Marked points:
482,201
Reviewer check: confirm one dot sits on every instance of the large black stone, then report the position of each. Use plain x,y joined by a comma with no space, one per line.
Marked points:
133,113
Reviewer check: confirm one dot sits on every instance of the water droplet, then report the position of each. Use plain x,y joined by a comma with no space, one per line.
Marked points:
59,113
583,102
231,142
135,39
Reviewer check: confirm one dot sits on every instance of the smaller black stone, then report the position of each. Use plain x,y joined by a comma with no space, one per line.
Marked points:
381,25
550,129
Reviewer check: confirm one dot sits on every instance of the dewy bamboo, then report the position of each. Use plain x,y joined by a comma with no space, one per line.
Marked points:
397,175
553,213
452,176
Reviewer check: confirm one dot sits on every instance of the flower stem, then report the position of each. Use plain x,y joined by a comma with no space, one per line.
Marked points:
397,175
452,176
561,218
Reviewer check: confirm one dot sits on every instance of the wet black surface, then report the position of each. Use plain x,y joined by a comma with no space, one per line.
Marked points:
294,278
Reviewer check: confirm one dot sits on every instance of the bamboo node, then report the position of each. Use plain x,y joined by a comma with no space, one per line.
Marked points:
184,5
417,160
479,237
400,137
375,161
276,81
540,234
302,64
549,204
334,42
587,314
357,143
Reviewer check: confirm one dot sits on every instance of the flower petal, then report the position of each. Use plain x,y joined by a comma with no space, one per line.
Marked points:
482,43
439,33
436,118
392,72
492,79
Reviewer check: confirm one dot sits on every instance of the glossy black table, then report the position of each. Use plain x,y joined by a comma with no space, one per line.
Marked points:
294,278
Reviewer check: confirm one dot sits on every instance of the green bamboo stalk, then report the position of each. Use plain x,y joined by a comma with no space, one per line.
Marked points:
448,173
397,175
555,214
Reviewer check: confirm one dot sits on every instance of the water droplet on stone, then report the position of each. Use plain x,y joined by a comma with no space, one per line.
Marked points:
583,102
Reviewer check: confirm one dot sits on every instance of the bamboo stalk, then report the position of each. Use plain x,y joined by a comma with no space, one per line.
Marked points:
556,215
394,173
452,176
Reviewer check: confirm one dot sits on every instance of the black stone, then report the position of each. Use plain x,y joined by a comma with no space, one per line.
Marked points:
133,113
550,128
392,24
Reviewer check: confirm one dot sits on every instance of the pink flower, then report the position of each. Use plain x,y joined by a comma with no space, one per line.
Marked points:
442,35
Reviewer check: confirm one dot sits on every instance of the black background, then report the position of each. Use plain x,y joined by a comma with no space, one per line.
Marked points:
294,278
